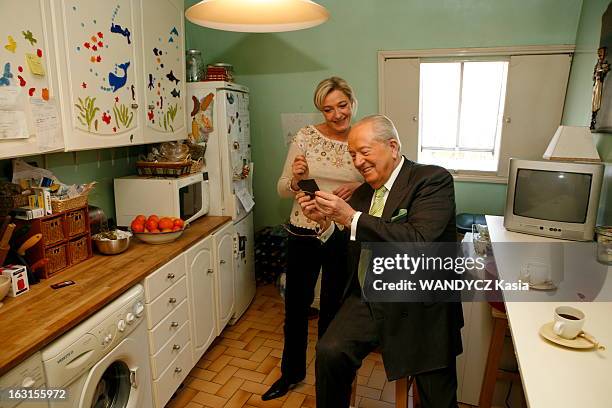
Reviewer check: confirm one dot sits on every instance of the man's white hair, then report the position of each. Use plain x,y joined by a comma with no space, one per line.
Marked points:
383,128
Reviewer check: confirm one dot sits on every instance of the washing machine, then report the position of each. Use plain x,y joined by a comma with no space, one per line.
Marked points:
103,362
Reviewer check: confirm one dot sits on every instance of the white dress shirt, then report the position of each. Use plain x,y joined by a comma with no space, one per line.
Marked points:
388,185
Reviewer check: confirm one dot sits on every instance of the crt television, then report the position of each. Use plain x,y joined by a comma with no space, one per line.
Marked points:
553,199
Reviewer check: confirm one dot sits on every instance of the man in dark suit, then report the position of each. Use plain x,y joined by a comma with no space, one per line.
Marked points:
401,201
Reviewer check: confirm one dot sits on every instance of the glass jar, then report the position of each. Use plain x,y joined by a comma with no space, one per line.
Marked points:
604,245
195,66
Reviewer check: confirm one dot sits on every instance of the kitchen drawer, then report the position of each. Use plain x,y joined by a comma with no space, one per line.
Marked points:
164,277
172,377
169,351
166,302
168,327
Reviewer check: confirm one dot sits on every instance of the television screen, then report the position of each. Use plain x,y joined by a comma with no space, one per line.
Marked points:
552,195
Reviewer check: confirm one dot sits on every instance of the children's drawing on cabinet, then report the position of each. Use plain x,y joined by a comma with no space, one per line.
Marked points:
102,55
26,95
164,84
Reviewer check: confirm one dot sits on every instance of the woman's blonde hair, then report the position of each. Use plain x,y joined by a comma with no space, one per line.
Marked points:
334,84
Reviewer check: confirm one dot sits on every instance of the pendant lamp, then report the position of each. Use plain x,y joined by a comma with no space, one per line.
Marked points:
257,16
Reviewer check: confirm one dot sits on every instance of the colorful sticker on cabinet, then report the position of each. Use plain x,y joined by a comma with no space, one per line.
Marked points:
35,64
151,80
175,93
117,82
11,45
123,116
7,75
87,111
29,37
169,117
172,78
116,28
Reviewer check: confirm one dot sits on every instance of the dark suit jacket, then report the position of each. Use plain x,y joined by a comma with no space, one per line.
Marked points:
414,337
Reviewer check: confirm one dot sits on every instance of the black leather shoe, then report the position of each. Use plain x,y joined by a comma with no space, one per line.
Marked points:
278,389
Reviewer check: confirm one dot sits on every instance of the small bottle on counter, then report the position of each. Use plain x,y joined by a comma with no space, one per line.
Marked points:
195,66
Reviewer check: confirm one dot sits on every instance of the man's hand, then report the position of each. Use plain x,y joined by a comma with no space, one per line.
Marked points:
345,191
334,207
310,210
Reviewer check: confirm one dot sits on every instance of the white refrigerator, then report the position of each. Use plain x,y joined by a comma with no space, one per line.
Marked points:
219,116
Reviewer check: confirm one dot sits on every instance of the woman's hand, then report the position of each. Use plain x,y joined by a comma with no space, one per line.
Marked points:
299,171
345,191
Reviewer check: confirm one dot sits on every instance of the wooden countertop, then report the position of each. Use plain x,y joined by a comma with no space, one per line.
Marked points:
33,320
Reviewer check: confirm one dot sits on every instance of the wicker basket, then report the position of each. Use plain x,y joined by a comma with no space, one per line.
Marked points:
69,204
196,166
52,230
58,260
75,220
78,250
163,169
7,203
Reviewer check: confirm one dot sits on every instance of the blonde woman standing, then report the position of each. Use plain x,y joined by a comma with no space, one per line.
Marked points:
317,152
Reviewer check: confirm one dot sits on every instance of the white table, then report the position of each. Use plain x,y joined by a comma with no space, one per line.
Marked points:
553,376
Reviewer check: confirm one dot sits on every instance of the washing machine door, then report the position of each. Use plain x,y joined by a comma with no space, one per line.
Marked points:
119,380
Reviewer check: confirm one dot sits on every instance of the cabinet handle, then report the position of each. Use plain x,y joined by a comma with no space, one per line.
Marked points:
151,106
176,347
172,300
174,324
134,106
170,276
178,370
222,261
209,271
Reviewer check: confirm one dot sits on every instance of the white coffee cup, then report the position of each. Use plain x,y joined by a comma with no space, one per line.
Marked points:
568,322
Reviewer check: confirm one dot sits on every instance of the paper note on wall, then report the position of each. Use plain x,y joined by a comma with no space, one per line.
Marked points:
292,122
13,125
245,198
10,98
46,122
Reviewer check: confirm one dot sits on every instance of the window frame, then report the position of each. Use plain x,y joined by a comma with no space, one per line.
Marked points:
472,54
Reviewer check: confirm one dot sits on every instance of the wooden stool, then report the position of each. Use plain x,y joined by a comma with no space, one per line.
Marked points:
492,371
402,389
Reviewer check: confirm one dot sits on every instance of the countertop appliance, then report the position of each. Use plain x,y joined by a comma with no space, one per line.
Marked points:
104,361
222,115
184,197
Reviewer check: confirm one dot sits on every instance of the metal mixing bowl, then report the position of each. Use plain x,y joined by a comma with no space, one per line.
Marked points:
112,247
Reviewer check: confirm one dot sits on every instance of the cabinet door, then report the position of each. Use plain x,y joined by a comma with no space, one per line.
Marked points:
28,80
164,73
201,296
224,275
100,65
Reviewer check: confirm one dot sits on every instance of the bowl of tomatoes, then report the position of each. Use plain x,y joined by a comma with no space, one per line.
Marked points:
157,230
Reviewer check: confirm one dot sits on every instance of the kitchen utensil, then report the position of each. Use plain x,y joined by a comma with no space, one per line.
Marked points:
5,223
158,238
29,243
4,242
98,221
5,285
111,246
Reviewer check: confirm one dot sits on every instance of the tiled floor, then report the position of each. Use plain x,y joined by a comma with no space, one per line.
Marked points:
245,360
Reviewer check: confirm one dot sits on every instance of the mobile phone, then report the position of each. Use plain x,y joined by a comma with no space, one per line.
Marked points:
62,284
309,186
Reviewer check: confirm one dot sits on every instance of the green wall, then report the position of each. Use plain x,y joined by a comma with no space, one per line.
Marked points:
578,100
282,69
87,166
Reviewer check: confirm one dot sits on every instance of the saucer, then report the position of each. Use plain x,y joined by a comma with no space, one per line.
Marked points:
579,342
542,286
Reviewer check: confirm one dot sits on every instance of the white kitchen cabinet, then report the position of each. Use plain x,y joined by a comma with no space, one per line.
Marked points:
106,51
201,283
167,324
224,265
164,61
28,94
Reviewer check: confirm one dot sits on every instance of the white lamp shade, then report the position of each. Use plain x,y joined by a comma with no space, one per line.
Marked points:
572,143
257,16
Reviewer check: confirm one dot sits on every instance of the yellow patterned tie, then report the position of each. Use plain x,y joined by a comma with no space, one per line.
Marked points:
376,210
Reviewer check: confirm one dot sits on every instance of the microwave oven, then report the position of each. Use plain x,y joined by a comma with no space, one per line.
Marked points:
183,197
